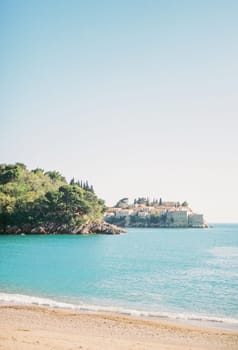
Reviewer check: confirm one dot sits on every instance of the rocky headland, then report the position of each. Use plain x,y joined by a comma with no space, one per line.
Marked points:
44,202
96,227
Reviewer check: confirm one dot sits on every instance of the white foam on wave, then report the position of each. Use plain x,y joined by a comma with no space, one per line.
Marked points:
26,300
20,299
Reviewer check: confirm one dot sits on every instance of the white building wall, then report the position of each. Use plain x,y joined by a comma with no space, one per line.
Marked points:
177,218
196,220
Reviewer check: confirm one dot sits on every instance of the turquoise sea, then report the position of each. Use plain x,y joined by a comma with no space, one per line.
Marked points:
183,274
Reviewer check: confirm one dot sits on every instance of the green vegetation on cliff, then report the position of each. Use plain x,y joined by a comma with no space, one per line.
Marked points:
37,197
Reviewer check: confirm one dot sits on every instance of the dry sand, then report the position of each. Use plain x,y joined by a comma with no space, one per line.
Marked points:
35,328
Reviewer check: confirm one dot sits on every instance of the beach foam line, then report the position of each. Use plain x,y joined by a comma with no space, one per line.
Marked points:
27,300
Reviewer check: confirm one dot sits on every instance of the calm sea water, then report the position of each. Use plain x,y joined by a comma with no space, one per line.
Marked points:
178,273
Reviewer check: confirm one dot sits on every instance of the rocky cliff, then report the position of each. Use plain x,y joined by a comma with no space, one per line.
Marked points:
95,227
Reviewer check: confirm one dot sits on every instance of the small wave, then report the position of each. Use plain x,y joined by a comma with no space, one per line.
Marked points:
212,272
20,299
225,252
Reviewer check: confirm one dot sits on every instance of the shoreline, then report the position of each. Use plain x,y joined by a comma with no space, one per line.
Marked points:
38,328
89,228
13,300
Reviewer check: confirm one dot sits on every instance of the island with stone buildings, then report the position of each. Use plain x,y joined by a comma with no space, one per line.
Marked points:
156,213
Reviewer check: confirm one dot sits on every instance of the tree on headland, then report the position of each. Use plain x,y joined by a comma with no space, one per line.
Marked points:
72,181
141,200
36,197
9,172
122,203
55,175
38,171
82,184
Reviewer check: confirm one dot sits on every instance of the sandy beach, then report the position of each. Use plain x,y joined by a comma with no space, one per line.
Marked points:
37,328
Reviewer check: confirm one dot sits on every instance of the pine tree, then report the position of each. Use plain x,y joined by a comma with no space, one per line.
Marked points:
72,181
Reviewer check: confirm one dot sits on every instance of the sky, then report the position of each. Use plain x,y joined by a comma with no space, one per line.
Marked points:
139,97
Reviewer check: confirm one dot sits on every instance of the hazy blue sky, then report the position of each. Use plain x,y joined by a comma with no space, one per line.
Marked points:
138,97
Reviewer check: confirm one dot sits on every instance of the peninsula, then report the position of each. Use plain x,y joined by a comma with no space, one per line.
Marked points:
156,213
38,201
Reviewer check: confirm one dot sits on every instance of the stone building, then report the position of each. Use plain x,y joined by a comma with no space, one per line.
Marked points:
178,218
196,220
